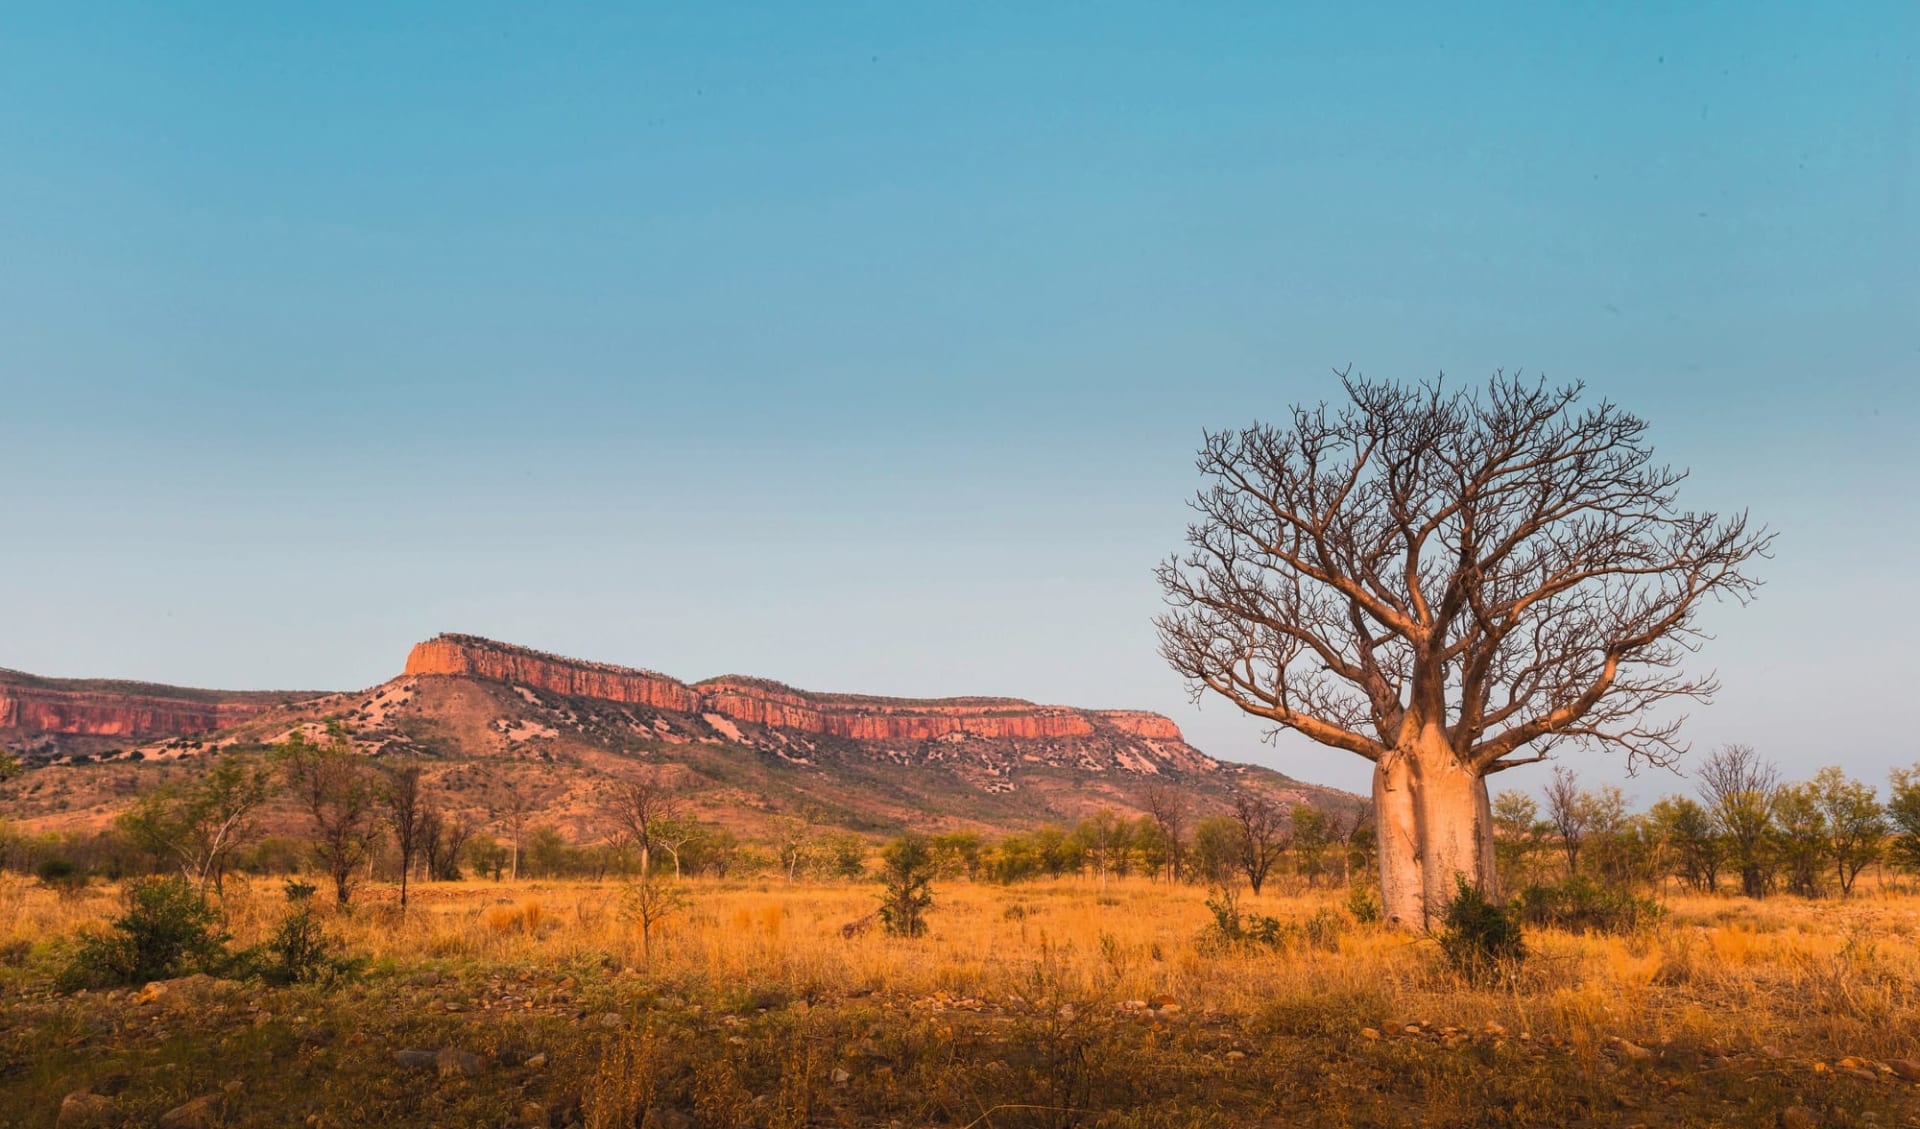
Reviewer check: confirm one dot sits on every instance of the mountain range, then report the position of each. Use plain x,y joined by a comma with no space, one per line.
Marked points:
488,720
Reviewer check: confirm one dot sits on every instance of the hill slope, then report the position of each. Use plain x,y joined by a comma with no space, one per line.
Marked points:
489,720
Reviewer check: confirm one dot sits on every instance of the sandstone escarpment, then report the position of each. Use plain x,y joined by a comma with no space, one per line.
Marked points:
501,662
96,708
756,701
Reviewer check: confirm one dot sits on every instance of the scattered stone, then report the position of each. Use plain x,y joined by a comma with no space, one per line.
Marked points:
455,1063
1906,1069
1236,1056
533,1115
1799,1117
840,1076
1494,1029
1369,1033
1631,1050
417,1060
1771,1052
536,1061
611,1020
204,1112
83,1109
1160,1003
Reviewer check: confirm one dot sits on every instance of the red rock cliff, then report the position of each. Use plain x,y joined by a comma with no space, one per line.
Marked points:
760,702
124,709
500,662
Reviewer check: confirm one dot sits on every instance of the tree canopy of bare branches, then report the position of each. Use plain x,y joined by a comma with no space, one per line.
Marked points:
644,810
1449,581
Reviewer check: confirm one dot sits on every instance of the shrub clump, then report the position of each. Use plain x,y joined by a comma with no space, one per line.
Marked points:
165,930
1482,938
1237,928
299,952
1581,905
906,877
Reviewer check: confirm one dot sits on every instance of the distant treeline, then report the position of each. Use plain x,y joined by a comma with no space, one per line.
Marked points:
1745,830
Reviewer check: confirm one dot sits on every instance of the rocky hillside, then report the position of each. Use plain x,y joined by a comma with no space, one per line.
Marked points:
490,721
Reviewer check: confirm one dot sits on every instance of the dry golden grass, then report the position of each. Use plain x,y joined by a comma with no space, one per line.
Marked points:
1769,998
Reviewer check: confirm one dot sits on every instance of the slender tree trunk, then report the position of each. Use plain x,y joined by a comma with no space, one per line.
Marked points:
1434,822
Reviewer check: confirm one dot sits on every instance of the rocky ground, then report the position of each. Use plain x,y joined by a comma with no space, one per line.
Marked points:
589,1045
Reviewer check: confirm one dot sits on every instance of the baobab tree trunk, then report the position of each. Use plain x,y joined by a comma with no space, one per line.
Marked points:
1434,823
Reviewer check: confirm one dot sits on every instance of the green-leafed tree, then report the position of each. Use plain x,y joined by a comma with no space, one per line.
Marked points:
906,877
332,786
1903,813
1692,846
1517,833
197,826
1802,839
1215,857
1856,823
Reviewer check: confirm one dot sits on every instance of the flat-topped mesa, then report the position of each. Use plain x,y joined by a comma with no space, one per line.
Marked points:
760,702
102,708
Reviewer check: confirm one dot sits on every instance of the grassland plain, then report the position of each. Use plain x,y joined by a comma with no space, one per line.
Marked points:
1046,1004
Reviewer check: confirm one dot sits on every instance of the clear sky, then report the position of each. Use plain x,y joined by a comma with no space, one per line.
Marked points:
868,349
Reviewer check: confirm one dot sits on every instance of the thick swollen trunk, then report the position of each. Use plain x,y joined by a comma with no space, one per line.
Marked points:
1434,824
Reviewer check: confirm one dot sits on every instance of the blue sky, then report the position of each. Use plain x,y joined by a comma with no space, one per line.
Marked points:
868,349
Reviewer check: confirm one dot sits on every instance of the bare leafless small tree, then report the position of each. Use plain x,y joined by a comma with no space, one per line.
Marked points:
510,803
408,815
1449,581
1570,813
642,808
1739,787
1264,836
1167,805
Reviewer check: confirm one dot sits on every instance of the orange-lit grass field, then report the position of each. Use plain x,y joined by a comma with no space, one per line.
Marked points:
1049,1004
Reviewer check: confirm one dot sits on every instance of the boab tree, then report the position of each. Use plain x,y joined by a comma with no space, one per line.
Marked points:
1449,582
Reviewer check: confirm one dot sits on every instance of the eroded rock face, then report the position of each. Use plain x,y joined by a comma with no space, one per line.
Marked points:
87,707
760,702
481,658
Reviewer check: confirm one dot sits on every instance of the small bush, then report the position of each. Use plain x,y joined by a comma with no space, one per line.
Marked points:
1482,937
165,930
1581,905
299,952
906,875
61,876
1234,927
1363,903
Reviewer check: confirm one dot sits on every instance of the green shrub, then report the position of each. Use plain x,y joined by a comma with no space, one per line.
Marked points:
1581,905
1234,927
60,875
165,930
299,952
906,876
1363,903
1482,937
